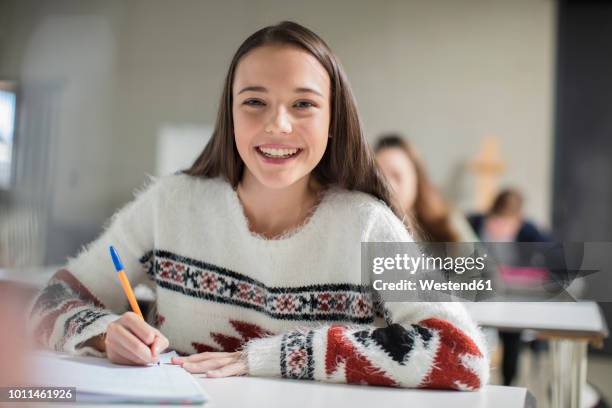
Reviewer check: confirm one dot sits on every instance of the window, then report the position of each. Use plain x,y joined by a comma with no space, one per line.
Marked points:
8,108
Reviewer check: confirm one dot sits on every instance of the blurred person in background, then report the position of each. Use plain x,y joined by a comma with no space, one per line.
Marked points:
435,219
505,222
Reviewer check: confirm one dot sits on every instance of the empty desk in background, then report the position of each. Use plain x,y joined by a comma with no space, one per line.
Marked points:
569,326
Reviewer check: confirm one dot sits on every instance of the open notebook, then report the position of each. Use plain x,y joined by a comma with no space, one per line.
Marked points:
98,380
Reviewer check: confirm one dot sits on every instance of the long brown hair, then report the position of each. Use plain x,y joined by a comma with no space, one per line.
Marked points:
347,162
430,211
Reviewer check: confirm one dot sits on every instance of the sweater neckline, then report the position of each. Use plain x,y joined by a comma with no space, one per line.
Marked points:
242,222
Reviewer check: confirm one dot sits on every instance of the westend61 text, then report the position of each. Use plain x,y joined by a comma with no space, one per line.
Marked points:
432,285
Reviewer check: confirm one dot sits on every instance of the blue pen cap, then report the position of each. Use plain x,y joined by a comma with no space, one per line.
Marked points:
116,260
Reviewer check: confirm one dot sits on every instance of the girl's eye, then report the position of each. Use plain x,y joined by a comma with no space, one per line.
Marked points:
304,104
253,102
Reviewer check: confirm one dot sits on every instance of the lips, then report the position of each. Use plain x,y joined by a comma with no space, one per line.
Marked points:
277,154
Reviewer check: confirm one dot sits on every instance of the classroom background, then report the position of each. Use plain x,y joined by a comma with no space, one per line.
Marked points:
96,95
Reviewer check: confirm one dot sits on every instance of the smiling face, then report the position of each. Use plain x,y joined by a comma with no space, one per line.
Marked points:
281,110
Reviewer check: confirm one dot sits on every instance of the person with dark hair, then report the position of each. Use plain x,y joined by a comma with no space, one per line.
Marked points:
505,222
253,251
430,214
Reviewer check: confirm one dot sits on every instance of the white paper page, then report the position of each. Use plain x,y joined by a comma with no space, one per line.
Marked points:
98,376
166,358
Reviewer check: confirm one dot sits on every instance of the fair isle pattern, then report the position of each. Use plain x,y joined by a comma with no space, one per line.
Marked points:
330,302
229,343
296,355
314,329
63,295
76,323
380,356
396,340
452,368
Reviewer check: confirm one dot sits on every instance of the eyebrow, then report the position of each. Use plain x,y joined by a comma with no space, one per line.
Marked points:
263,89
308,90
253,89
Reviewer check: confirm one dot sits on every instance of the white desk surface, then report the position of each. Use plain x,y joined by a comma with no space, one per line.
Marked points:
35,277
280,393
273,393
248,391
571,317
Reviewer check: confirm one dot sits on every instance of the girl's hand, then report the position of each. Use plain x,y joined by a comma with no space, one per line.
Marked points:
214,364
131,341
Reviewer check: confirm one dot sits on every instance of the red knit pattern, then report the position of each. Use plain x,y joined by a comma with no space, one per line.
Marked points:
83,297
45,328
358,368
448,369
248,331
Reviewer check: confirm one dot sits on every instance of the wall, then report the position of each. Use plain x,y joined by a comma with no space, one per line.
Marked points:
446,73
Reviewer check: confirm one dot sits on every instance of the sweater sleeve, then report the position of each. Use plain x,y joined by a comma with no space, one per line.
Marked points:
84,296
424,345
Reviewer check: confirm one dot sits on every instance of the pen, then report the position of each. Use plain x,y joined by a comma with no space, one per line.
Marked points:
127,288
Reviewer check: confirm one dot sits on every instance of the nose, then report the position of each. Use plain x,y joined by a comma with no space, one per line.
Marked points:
279,122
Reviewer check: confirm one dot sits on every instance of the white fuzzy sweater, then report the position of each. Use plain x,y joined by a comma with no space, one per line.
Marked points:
295,305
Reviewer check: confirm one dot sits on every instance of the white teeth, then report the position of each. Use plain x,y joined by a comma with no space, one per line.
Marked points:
278,152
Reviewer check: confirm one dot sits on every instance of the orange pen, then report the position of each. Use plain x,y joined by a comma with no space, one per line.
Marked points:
127,288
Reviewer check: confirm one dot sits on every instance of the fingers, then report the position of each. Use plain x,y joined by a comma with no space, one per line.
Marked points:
159,345
237,368
118,354
207,365
213,364
130,340
139,327
131,347
114,356
206,356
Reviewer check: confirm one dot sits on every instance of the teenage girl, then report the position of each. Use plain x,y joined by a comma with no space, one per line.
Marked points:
253,252
416,194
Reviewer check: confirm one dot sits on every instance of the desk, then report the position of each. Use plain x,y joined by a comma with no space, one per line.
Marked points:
569,327
35,278
273,393
280,393
245,391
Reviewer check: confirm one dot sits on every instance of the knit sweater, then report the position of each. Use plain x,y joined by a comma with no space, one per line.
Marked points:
295,305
